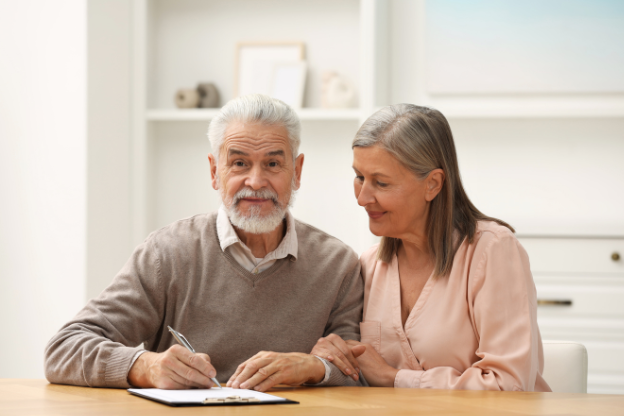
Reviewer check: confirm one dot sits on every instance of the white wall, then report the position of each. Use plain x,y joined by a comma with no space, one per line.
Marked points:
546,162
42,176
108,145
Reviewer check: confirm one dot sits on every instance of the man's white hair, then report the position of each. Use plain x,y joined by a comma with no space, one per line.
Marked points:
255,108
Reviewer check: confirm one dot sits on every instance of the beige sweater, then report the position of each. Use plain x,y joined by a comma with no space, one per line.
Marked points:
180,277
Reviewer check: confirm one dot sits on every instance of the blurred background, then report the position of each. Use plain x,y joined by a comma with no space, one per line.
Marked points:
96,150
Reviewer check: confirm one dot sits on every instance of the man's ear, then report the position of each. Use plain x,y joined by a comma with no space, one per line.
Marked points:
213,171
298,168
434,183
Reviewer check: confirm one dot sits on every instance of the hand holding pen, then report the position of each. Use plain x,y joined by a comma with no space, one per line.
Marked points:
184,342
177,368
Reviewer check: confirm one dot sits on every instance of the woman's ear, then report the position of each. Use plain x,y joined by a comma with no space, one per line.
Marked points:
434,183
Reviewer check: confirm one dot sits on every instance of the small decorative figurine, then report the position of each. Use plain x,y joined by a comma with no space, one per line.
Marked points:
208,95
187,98
337,91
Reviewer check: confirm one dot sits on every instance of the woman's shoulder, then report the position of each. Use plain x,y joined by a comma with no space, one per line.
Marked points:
489,232
491,239
498,261
496,244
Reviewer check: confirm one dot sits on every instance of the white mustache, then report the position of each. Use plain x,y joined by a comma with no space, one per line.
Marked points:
250,193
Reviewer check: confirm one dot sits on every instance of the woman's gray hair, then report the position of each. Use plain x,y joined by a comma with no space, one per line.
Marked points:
420,139
255,108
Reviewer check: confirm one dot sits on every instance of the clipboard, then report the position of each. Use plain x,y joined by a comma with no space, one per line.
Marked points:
209,397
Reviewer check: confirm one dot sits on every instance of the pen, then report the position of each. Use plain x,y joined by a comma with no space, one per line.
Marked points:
182,341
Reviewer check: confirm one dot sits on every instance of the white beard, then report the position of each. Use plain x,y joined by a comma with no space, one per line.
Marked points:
254,222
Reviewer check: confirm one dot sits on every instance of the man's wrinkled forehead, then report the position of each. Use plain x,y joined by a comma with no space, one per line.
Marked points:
234,151
245,139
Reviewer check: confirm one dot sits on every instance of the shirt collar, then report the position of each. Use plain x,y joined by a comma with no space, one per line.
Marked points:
227,235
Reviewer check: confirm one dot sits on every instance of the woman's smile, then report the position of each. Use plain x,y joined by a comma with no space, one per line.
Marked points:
375,215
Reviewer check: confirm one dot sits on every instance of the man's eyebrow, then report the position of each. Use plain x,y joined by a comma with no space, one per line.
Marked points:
237,152
275,153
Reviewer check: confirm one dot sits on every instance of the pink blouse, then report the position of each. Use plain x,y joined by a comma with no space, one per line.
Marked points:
473,330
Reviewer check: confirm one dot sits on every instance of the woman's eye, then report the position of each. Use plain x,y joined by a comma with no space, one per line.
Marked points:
360,178
382,184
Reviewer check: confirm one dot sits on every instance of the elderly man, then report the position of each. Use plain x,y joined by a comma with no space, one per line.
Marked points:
246,279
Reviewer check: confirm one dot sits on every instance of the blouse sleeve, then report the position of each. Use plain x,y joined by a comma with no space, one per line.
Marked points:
503,309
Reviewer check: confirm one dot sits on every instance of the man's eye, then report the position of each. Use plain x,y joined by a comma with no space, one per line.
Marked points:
239,163
273,164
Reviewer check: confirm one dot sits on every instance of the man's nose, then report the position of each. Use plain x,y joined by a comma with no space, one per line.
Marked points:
256,179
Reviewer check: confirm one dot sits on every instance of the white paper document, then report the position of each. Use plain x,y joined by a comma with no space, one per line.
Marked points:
208,396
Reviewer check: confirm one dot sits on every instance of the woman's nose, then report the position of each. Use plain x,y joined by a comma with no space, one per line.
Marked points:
365,195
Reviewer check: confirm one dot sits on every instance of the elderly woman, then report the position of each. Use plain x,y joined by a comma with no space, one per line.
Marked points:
449,299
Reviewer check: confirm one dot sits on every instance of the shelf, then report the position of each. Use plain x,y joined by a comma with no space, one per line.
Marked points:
530,106
573,236
328,114
529,113
190,41
201,114
194,114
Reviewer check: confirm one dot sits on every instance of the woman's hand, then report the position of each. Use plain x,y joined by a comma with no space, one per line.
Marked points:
376,370
335,350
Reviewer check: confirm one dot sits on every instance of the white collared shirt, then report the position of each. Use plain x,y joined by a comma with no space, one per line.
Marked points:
231,244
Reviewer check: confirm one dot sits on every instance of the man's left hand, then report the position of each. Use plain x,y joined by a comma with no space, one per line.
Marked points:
266,369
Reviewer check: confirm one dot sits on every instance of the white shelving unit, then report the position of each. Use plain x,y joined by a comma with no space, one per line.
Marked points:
547,162
173,41
201,114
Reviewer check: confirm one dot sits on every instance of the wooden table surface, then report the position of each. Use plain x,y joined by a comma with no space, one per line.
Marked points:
38,397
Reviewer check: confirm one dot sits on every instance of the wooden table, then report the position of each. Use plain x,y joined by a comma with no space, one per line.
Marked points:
37,397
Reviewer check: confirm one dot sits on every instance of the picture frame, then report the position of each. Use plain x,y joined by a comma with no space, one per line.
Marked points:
288,82
256,64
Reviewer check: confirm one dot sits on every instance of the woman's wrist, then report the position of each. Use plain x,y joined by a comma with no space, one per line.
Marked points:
389,376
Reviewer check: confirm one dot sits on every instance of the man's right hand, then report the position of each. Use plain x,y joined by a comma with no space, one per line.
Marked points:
176,368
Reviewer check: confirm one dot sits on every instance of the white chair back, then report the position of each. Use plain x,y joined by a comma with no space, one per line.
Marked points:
565,366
